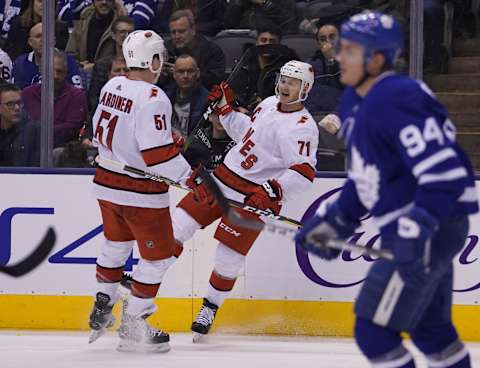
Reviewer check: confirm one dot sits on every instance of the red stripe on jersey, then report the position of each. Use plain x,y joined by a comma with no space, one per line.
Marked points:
305,170
119,181
158,155
221,284
146,291
234,181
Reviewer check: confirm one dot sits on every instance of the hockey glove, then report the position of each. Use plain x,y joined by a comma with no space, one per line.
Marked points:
222,94
178,141
411,246
327,224
266,197
200,191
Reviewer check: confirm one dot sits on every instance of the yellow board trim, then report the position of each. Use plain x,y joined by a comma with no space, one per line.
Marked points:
285,317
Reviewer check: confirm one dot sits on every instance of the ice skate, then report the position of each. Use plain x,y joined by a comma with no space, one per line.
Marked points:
136,335
204,320
101,317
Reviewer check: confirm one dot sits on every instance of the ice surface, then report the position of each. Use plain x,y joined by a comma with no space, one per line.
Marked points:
26,349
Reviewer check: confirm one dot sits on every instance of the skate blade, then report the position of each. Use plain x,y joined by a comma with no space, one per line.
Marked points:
198,337
96,334
134,347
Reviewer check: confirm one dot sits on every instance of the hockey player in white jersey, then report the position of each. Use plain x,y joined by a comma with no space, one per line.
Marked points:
273,161
132,126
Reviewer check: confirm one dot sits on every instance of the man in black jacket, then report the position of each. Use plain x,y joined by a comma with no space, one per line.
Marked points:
185,40
326,92
257,77
187,95
252,14
19,136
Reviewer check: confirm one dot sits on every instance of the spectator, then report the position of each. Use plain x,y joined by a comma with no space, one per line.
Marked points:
188,97
26,68
74,154
17,40
121,28
91,38
326,92
70,104
435,57
184,39
5,67
257,79
142,11
115,67
208,15
19,136
221,143
254,14
7,12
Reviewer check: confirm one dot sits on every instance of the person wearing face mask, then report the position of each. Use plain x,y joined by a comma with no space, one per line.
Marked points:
272,162
256,80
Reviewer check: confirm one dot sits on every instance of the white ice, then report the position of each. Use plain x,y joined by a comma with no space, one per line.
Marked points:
25,349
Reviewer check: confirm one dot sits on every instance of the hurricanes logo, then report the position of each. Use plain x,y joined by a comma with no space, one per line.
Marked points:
153,93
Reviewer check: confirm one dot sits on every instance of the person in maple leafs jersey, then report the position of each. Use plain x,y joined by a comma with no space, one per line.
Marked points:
417,184
132,126
273,161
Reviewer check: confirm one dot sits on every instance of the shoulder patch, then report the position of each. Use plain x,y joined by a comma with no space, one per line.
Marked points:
303,119
153,92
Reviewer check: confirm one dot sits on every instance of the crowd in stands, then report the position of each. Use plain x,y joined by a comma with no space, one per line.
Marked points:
88,39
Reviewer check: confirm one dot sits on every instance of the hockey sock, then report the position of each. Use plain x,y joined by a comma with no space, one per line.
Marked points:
139,306
108,280
382,346
441,346
219,288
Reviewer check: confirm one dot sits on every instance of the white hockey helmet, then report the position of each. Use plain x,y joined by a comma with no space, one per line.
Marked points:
140,47
299,70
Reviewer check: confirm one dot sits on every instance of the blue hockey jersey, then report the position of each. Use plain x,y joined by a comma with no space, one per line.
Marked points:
402,153
142,11
25,72
8,10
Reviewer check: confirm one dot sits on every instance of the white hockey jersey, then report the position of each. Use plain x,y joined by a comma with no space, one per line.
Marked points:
272,144
132,125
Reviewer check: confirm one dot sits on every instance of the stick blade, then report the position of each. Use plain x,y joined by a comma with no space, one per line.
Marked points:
228,210
35,258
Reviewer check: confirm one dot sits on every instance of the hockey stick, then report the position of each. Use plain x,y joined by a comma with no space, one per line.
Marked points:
33,259
199,132
282,230
118,166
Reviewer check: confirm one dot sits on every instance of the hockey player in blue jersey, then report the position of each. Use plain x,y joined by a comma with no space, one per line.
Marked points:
407,171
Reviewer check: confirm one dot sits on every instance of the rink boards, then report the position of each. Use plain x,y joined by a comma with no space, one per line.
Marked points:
279,291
